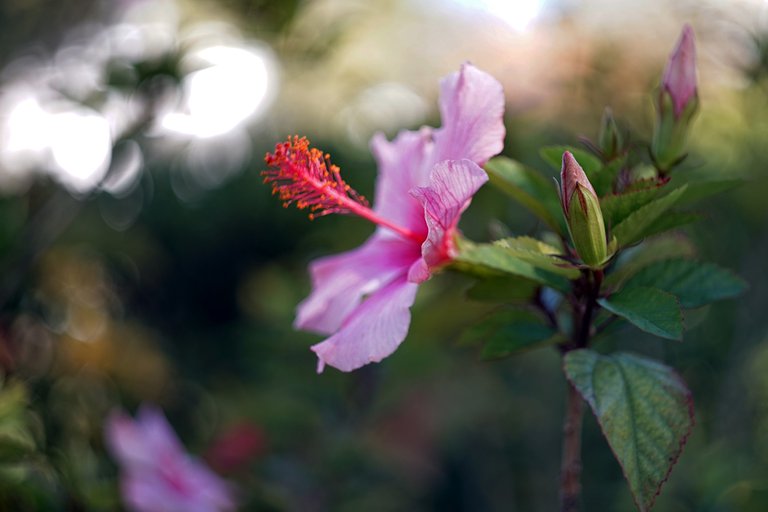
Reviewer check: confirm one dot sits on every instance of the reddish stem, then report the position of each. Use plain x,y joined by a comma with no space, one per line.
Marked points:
570,469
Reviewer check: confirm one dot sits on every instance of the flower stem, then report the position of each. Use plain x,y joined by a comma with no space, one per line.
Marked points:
570,469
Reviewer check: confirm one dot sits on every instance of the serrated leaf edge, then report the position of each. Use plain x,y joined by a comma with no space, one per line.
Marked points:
681,443
677,301
695,261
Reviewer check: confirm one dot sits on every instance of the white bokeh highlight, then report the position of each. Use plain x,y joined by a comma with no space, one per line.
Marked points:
232,87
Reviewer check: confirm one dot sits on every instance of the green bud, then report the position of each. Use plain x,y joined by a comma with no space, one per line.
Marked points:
670,134
609,139
582,213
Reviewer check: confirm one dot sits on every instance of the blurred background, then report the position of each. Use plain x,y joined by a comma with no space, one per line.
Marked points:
142,260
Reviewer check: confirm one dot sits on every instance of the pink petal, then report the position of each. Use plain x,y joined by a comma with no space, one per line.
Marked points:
184,486
125,440
403,163
212,492
144,492
373,331
158,434
157,474
419,271
680,74
453,183
472,108
339,282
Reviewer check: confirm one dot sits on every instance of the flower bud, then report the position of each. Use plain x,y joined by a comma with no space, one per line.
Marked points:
676,104
680,75
609,139
582,213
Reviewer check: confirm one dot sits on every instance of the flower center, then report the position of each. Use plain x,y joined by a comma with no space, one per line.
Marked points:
305,176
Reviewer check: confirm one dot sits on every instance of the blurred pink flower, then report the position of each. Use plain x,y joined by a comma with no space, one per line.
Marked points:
157,475
680,74
427,178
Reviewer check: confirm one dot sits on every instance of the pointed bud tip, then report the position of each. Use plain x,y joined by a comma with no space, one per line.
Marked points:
569,159
609,137
680,74
572,174
687,33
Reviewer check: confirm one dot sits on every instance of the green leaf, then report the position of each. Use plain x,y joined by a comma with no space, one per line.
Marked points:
645,412
475,258
650,309
643,177
499,287
508,331
617,207
553,155
636,226
529,188
635,258
670,221
693,283
540,254
604,178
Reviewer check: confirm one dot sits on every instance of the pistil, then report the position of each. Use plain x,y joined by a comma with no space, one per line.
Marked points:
305,176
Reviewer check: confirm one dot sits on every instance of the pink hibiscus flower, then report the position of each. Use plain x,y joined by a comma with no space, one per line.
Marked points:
157,475
427,178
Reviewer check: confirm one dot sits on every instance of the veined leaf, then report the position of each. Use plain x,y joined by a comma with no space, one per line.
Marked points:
645,412
635,258
512,330
529,188
617,207
539,254
529,244
670,221
636,226
495,257
693,283
650,309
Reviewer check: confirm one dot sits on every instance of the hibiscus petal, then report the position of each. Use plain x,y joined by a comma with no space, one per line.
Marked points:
145,491
403,163
472,109
373,331
453,183
157,434
339,282
125,441
211,491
